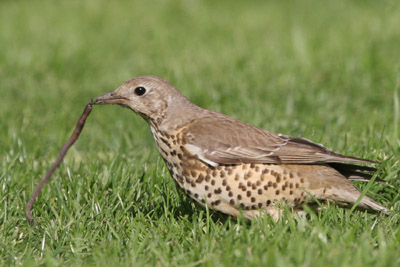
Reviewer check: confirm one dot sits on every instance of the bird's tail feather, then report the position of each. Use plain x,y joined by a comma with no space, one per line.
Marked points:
356,172
371,205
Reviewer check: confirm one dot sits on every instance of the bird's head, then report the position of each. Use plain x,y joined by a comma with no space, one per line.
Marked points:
149,96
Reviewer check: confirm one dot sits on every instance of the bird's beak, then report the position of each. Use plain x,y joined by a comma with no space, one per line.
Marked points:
109,98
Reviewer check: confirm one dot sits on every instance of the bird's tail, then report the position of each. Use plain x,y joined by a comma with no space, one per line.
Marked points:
359,173
356,172
371,205
348,195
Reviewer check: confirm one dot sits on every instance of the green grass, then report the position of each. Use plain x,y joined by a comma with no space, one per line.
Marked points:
325,70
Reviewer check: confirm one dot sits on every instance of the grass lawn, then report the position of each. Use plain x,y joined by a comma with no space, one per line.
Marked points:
325,70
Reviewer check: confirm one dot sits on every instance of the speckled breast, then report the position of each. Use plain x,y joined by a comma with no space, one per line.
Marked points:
229,188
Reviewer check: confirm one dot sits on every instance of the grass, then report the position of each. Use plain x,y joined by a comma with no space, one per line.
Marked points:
328,71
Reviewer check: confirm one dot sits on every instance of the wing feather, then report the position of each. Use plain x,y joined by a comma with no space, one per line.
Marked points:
219,139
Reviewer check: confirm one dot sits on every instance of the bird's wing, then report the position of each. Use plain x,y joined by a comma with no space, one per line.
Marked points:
223,140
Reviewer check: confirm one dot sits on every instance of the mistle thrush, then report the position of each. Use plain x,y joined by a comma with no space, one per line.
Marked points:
234,167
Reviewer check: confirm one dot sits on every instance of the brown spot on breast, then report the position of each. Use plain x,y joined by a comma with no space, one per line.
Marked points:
259,191
206,187
224,182
277,192
228,188
268,202
216,202
214,173
165,153
275,185
218,191
253,199
230,194
193,173
239,197
212,182
248,193
258,183
254,186
232,202
222,174
165,142
200,178
252,165
260,205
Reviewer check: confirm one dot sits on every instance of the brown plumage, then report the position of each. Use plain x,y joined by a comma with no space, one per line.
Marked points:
236,167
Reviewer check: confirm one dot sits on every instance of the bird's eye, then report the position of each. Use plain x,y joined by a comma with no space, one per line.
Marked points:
140,91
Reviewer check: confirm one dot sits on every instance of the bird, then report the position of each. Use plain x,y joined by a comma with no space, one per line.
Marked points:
237,168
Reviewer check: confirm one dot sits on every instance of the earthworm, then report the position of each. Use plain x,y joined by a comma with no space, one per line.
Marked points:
63,151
